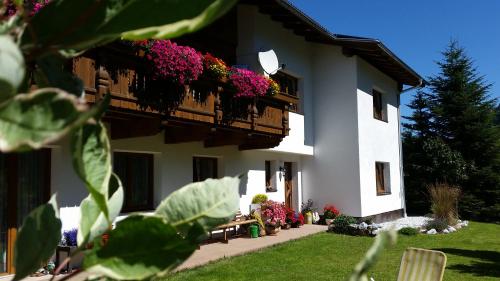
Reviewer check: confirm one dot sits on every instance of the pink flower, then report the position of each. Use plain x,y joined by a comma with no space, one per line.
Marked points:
248,83
181,63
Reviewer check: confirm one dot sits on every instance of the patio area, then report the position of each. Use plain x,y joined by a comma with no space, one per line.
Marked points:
239,246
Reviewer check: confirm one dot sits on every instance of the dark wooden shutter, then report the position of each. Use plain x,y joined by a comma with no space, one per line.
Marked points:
377,105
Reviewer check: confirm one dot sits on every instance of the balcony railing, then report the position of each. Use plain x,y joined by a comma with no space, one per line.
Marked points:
209,115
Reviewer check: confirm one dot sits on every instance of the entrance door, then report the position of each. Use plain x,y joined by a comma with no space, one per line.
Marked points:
24,185
288,185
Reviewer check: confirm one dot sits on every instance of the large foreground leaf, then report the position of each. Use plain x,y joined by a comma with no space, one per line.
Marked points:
208,203
11,67
92,161
139,248
93,222
30,121
51,72
77,25
37,239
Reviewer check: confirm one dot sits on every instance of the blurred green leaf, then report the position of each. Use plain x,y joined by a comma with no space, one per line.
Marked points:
11,67
92,161
37,239
92,220
208,203
30,121
78,25
382,240
140,247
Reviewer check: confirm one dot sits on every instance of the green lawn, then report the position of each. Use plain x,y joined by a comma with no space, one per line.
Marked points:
473,254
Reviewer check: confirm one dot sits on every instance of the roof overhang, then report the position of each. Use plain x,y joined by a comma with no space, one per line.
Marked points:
371,50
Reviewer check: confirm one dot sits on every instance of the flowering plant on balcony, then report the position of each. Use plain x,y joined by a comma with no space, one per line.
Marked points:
248,83
214,67
330,212
181,64
274,87
273,213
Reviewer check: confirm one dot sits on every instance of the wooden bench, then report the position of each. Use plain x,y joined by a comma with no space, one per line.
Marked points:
239,220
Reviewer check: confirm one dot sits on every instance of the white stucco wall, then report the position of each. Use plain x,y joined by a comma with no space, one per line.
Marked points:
257,32
173,169
378,140
332,176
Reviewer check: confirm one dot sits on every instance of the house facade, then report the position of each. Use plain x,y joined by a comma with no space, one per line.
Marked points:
332,136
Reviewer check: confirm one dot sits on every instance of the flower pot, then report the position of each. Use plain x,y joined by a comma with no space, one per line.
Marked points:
309,218
272,230
329,221
286,226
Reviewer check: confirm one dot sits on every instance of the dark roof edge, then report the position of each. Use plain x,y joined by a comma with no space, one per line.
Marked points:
381,45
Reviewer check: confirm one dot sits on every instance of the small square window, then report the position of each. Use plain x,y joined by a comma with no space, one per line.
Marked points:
382,176
204,168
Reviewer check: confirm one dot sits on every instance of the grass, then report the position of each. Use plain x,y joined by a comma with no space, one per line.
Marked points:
473,254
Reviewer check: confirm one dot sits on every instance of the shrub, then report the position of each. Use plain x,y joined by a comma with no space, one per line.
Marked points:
438,224
330,212
342,222
444,199
409,231
259,199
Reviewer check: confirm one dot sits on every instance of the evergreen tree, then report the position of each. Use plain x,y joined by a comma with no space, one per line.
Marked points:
459,115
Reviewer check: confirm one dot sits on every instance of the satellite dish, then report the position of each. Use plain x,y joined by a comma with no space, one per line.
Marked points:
269,62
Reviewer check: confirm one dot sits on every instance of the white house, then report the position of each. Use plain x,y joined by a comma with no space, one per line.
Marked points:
342,110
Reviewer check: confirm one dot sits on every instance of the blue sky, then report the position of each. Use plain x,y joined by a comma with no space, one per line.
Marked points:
417,31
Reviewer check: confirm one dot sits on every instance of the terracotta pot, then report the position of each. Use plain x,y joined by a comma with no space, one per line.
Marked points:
329,221
272,230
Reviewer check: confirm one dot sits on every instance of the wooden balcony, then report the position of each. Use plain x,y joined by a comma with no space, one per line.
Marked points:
193,113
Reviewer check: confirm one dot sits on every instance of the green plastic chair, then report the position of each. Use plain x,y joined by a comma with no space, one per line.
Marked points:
422,265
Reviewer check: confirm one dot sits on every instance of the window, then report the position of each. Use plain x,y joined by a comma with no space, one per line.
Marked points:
136,173
378,107
270,167
204,168
288,83
382,178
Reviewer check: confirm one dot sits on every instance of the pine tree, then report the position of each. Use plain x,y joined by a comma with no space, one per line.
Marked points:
421,119
460,115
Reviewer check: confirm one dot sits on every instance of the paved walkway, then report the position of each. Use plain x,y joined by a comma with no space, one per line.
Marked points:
215,251
239,246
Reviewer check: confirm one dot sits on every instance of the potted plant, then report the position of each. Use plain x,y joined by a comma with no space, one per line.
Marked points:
69,240
330,213
257,200
262,228
307,210
293,218
273,216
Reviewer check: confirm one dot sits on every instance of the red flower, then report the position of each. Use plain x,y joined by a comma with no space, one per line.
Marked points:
330,212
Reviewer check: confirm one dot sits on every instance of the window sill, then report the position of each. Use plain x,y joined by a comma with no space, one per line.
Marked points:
383,193
382,120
